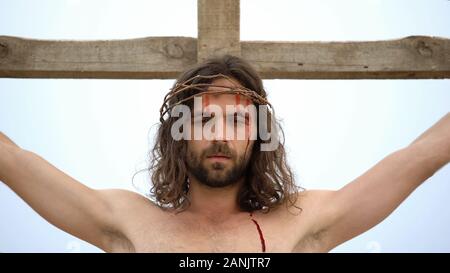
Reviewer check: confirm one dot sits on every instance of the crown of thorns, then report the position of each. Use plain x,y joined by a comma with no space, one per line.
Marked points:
203,89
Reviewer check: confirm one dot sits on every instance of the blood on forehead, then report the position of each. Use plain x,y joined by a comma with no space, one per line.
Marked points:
237,99
205,100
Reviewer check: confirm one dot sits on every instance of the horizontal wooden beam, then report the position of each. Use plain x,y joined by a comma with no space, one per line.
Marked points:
143,58
414,57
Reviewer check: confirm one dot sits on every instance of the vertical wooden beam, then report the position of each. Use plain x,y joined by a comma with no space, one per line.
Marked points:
218,28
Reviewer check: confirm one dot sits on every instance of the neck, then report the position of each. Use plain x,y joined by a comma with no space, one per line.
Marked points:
213,203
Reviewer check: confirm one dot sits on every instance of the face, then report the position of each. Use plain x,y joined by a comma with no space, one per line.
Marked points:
218,160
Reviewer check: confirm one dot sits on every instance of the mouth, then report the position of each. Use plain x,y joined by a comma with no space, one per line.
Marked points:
218,157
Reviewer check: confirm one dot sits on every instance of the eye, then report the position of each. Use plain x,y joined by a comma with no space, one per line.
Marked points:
239,119
205,119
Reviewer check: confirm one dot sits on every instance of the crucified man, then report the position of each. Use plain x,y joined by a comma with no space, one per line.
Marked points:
217,192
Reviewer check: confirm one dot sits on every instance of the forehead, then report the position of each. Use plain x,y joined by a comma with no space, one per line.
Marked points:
224,99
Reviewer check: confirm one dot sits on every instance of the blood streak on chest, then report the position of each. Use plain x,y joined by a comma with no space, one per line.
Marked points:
261,235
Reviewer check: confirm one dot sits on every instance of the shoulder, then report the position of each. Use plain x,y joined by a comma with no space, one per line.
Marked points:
314,198
307,209
306,217
120,194
308,201
300,206
125,209
121,199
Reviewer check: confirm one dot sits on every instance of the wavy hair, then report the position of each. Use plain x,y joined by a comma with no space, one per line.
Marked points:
269,180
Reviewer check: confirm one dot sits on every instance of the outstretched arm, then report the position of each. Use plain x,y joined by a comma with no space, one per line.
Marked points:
371,197
7,141
60,199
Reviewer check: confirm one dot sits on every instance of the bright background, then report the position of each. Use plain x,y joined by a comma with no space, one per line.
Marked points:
98,131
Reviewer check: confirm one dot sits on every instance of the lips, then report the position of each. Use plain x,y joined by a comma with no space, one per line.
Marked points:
219,156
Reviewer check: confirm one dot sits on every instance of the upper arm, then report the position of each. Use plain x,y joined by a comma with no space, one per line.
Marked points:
60,199
370,198
6,140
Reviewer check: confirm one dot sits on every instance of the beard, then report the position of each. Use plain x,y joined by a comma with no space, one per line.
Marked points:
217,174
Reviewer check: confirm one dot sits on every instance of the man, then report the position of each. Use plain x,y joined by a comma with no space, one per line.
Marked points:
216,193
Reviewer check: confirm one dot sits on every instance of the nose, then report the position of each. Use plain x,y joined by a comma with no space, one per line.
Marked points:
218,132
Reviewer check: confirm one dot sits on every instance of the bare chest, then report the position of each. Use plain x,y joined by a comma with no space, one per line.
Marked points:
169,234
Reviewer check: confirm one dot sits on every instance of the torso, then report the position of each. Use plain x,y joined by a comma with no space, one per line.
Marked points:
147,228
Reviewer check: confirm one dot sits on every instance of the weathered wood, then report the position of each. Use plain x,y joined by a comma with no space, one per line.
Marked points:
152,58
218,28
415,57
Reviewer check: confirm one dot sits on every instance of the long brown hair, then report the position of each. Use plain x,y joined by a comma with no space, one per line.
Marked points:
269,179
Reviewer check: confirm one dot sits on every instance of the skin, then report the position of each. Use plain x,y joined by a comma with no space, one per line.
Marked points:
122,221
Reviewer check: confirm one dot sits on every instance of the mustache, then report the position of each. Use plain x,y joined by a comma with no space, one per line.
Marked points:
219,148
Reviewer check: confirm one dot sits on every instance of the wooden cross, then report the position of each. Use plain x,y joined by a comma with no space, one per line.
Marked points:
414,57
